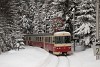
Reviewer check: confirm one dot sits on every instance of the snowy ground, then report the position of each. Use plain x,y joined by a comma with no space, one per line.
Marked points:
37,57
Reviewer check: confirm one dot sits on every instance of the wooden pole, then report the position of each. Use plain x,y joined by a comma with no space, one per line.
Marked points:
97,19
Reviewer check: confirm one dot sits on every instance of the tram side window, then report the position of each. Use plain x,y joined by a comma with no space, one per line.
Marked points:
36,39
29,38
26,38
45,39
40,39
33,38
49,39
53,39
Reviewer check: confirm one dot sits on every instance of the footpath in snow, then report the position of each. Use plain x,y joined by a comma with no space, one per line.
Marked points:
37,57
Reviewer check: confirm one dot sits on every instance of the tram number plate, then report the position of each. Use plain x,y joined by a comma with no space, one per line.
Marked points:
97,52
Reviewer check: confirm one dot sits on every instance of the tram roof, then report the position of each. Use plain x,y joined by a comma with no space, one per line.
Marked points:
63,33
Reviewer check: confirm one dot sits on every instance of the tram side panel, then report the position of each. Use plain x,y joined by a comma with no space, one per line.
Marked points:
49,47
48,43
37,41
27,40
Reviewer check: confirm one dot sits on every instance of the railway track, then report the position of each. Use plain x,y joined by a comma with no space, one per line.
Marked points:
63,61
54,61
51,60
68,61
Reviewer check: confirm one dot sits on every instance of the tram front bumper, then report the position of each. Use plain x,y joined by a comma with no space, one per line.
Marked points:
62,49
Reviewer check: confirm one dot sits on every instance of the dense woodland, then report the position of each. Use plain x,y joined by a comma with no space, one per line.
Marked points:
19,17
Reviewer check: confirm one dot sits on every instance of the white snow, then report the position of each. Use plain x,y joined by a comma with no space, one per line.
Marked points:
51,62
37,57
28,57
63,62
84,59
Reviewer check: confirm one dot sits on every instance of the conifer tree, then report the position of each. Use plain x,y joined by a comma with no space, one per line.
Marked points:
86,19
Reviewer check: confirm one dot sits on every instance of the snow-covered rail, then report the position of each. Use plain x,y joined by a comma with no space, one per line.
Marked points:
63,61
54,61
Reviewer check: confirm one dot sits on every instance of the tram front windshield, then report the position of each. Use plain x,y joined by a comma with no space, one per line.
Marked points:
62,39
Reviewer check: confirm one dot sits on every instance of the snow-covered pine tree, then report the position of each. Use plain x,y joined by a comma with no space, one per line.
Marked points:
5,25
86,18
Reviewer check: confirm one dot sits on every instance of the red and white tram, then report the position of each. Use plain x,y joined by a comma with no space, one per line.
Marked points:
57,43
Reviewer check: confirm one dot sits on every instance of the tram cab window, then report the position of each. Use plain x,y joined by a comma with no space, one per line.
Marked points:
67,39
62,39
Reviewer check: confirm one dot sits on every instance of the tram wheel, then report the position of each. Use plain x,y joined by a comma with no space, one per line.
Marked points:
64,54
51,52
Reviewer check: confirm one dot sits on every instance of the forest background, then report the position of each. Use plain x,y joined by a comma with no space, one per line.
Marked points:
18,17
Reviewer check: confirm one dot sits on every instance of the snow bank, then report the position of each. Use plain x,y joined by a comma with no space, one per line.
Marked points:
28,57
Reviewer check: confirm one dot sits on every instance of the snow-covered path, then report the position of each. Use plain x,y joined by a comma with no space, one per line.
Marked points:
37,57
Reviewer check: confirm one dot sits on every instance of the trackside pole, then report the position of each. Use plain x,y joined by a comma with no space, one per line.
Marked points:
96,45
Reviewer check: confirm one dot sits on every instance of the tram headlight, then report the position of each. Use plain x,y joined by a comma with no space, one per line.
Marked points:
69,47
64,47
57,47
